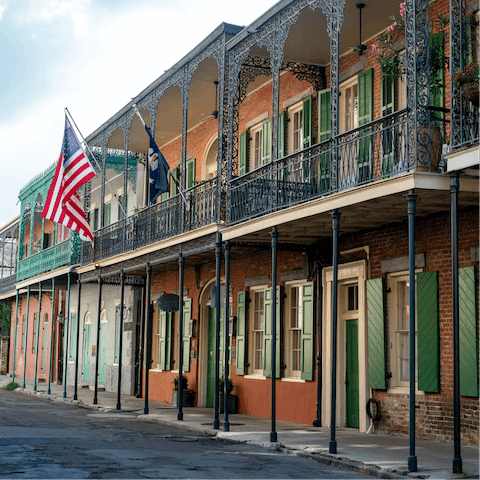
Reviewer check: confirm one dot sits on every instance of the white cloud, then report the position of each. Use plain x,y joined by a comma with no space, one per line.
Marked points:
3,7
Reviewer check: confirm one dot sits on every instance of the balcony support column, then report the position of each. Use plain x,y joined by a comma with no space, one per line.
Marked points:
52,328
26,337
457,457
120,340
15,335
99,312
39,316
79,299
181,264
67,334
411,199
332,447
273,431
148,335
226,423
218,263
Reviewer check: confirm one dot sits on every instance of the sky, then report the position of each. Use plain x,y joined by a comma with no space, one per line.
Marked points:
91,56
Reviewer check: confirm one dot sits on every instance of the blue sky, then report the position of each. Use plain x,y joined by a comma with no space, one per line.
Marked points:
91,56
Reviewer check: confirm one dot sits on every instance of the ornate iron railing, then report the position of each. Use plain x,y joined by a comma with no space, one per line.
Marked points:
7,284
468,132
159,222
65,253
374,151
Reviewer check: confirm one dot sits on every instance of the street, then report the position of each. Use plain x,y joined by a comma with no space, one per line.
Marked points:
40,438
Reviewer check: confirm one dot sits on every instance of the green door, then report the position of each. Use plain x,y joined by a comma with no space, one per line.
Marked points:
102,357
211,353
86,353
352,373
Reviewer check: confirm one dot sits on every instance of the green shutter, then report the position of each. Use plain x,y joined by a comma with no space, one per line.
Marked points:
243,166
428,333
468,335
267,335
191,173
308,330
241,309
73,345
388,107
388,90
168,341
162,330
281,134
307,122
365,115
174,187
437,80
187,317
324,134
266,141
117,334
107,209
376,334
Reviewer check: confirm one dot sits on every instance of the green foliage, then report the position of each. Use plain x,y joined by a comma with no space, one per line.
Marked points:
11,386
5,319
469,74
221,385
184,383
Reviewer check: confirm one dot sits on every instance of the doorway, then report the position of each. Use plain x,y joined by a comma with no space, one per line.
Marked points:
351,374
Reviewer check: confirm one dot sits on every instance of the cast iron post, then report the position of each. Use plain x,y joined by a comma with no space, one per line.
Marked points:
148,334
75,396
15,336
52,327
38,334
120,342
26,336
218,261
226,424
67,321
273,431
99,311
181,263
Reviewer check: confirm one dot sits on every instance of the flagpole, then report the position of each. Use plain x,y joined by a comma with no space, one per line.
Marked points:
187,203
94,159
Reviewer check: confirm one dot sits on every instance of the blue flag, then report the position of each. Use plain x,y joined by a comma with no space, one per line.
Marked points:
158,170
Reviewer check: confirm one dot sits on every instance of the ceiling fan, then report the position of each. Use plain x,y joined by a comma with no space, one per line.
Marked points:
360,48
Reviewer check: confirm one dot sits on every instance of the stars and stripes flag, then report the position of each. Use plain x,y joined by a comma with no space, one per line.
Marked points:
73,170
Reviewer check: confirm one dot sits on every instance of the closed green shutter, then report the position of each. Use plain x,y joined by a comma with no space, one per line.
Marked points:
468,335
267,335
73,344
388,107
437,79
187,317
365,115
324,134
162,352
241,310
281,135
173,185
266,141
308,330
168,342
376,334
243,165
191,173
428,333
307,122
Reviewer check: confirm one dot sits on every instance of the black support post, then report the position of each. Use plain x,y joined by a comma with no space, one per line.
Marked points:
273,430
318,419
457,457
411,199
181,264
148,335
218,261
332,447
75,396
226,423
120,342
97,349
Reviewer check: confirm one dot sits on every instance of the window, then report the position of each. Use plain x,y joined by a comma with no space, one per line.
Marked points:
107,208
120,205
349,105
48,239
94,218
399,313
257,329
293,332
295,128
256,147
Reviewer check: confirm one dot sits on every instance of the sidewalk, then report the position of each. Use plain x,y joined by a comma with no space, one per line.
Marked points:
381,455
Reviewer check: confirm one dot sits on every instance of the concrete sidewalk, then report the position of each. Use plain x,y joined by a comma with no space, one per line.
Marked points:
376,454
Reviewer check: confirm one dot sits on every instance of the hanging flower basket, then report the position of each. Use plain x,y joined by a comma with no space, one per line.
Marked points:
471,92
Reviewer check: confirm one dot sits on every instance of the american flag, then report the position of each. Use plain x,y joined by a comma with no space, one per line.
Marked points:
73,170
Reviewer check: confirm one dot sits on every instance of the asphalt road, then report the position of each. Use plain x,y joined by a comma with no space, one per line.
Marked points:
40,438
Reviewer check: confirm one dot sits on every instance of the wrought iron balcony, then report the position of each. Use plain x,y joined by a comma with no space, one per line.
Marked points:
366,154
7,284
65,253
156,223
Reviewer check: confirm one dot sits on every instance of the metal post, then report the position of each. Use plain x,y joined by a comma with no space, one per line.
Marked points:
218,260
75,396
52,323
273,431
26,336
67,322
318,420
38,334
148,334
335,224
99,311
226,423
181,262
120,343
457,457
411,198
15,336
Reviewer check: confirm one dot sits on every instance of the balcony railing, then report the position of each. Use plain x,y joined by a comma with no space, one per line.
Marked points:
366,154
468,132
64,253
7,284
159,222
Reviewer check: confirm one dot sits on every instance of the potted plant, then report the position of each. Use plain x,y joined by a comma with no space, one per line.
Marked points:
467,80
232,399
188,395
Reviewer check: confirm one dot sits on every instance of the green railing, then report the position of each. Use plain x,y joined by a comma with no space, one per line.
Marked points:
65,253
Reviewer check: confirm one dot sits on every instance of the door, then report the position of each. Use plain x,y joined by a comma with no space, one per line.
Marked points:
211,353
351,379
86,352
102,355
44,346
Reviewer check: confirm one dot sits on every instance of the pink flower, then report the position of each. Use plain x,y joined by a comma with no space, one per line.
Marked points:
390,28
402,13
386,41
403,5
394,24
375,47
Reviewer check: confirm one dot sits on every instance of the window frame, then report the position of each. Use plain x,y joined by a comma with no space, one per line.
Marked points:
296,108
252,371
252,149
351,82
